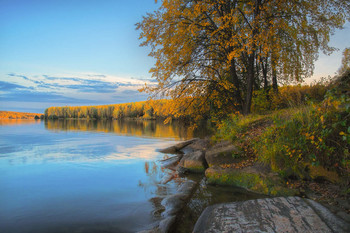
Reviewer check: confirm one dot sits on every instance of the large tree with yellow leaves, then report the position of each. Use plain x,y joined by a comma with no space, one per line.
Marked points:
212,54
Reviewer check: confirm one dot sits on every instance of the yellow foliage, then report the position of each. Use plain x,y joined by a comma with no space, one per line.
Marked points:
18,115
152,109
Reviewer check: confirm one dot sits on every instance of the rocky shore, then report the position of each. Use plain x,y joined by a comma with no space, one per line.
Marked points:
223,164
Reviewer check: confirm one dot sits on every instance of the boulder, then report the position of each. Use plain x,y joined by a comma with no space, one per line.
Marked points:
280,214
173,204
177,147
165,224
200,144
167,178
171,162
222,153
194,162
187,187
256,178
182,171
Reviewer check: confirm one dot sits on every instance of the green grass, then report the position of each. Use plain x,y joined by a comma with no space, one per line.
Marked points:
291,140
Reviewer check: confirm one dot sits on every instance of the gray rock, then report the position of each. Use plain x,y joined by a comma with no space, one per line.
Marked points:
200,144
194,162
173,204
165,225
171,162
154,230
167,178
280,214
182,171
186,187
177,147
222,153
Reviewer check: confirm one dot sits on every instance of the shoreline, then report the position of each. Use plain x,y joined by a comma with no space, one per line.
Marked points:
213,174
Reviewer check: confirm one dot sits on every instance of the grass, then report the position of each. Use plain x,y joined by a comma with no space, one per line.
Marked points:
294,140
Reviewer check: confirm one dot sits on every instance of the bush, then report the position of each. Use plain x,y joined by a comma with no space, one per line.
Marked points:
236,124
317,135
287,96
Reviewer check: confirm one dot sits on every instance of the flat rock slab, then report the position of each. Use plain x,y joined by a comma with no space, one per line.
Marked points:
200,144
280,214
177,147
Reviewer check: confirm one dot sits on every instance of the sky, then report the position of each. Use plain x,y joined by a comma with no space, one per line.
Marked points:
85,52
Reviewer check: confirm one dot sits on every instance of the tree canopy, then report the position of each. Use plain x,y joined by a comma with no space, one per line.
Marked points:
212,54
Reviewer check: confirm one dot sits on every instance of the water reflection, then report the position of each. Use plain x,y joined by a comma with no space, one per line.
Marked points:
62,176
139,128
4,122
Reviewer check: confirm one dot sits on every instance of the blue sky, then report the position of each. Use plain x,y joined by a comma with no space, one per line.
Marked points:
83,52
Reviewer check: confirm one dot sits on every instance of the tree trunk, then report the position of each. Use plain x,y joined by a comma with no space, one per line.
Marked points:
274,74
250,83
264,71
274,81
235,81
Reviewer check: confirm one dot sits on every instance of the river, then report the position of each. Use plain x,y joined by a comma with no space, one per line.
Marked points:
90,176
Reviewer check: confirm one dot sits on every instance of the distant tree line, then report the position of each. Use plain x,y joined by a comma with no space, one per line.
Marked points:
152,109
20,115
169,109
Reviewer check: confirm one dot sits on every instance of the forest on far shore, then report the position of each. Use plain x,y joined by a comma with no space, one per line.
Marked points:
20,115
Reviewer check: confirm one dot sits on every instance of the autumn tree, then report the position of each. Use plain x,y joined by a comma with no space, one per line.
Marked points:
211,54
345,62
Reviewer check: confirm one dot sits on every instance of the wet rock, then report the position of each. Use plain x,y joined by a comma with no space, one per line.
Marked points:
177,147
200,144
254,178
173,204
222,153
171,162
194,162
165,225
155,230
167,178
182,171
280,214
187,187
158,208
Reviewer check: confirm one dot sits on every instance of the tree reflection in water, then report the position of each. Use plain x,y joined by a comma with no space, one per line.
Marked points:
142,128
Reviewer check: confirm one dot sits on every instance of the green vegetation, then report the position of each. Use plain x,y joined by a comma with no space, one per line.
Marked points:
249,180
313,132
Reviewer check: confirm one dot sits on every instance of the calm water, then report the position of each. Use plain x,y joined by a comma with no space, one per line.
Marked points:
83,176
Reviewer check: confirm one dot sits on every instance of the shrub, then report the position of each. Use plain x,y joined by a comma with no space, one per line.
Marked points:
287,96
318,134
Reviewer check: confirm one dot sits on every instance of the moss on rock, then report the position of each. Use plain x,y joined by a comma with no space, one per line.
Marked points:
249,178
194,162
